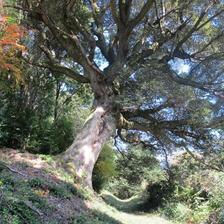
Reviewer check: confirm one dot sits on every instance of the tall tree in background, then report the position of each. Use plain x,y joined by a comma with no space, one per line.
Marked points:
131,53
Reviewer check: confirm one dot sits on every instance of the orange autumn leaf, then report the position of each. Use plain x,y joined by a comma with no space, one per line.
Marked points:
10,35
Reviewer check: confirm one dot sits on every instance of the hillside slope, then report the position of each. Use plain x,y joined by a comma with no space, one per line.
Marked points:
33,189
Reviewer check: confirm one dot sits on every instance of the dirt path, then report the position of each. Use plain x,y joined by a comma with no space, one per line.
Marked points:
126,217
130,218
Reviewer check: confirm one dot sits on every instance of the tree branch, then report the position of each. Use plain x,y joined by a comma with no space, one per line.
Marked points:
60,69
134,22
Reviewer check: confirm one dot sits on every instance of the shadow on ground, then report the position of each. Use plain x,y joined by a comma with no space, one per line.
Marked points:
31,191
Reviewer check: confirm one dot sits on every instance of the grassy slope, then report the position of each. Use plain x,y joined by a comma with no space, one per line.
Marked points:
33,189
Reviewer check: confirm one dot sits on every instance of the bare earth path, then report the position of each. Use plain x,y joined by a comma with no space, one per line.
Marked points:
128,217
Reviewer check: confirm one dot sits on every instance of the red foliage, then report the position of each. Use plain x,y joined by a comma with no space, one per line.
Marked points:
10,35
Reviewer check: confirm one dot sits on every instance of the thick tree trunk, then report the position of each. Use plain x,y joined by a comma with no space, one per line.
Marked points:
81,156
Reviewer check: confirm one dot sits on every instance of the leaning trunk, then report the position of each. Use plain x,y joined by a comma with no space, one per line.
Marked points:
82,155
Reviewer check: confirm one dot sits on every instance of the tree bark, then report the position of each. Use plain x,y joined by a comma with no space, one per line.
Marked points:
81,156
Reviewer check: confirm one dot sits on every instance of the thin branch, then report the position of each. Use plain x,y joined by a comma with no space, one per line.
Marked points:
60,69
114,11
11,169
15,7
117,147
34,209
197,26
134,22
201,161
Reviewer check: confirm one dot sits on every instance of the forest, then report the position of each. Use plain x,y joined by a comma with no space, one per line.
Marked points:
111,111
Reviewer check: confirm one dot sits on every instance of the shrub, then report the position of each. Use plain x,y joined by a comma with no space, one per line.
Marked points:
199,189
104,169
221,216
136,168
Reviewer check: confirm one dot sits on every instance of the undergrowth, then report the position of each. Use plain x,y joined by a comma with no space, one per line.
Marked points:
46,195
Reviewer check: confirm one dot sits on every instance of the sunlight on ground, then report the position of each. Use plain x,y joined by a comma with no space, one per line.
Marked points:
129,218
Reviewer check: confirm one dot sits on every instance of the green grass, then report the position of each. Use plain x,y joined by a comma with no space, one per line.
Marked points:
127,217
24,199
16,197
27,199
95,217
132,204
63,190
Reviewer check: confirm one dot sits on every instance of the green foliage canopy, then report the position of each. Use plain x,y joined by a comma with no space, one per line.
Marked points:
127,52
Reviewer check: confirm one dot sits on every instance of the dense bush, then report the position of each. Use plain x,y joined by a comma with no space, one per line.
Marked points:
157,193
105,168
136,169
198,194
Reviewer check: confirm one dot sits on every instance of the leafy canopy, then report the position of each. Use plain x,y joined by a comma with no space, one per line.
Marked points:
132,55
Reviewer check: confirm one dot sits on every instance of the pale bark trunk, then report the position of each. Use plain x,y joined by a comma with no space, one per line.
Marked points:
82,155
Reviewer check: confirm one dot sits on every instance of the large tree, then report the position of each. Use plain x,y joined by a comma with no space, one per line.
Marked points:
132,54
